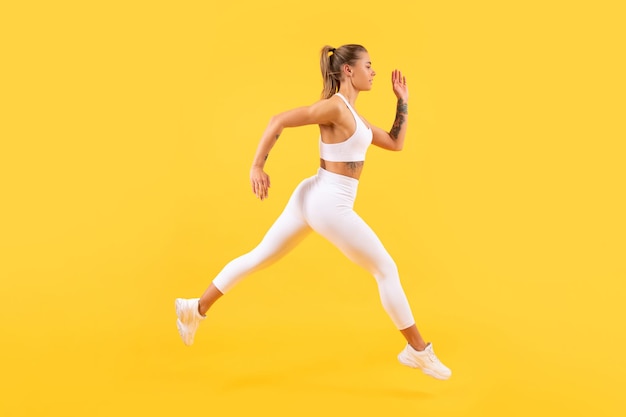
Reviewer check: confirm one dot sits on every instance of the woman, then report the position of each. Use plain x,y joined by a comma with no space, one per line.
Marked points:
324,203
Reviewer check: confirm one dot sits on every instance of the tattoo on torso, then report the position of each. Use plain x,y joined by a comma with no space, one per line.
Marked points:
354,166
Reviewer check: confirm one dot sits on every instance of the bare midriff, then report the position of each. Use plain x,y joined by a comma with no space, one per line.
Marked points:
349,169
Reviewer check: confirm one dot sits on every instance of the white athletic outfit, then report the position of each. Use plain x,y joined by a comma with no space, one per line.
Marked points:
324,204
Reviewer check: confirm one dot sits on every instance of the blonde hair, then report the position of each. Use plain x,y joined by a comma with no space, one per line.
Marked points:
331,62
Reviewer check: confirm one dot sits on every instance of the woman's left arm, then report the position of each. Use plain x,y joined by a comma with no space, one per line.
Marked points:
394,139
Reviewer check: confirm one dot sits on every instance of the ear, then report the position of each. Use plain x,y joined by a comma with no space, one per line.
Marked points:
347,70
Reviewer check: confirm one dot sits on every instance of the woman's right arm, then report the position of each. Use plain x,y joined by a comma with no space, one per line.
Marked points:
322,112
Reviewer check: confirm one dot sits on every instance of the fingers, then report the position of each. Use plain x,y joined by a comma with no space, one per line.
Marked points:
260,187
398,78
260,190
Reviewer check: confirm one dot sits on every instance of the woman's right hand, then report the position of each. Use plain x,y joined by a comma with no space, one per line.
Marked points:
260,182
398,82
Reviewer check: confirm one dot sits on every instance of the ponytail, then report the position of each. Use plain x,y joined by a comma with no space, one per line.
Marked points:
331,61
330,83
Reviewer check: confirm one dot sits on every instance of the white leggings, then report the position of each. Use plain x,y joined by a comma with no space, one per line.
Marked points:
324,203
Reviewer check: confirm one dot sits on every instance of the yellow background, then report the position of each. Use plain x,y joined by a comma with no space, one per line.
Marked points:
127,131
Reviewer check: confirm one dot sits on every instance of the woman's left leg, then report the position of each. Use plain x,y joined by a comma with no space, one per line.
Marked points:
355,239
329,211
331,214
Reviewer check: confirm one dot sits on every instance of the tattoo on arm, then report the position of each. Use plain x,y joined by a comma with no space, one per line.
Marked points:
267,155
402,110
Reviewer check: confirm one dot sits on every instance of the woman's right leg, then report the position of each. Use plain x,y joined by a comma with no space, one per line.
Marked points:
286,232
284,235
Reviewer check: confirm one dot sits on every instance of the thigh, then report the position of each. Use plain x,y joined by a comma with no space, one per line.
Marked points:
345,229
286,232
288,229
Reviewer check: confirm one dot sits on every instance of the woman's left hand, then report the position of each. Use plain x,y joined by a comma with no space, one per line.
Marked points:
260,182
398,81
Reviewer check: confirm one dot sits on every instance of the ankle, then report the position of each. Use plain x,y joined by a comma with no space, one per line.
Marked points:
420,346
200,310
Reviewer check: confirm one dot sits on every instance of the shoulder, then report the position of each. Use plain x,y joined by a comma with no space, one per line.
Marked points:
322,112
331,103
329,108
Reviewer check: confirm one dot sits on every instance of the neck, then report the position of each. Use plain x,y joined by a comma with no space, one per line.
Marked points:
350,93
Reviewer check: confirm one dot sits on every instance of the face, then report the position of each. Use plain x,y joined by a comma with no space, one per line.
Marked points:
362,74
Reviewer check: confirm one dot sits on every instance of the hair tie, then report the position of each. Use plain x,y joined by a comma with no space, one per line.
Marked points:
332,50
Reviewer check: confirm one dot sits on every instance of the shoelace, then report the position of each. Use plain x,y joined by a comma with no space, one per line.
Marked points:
432,357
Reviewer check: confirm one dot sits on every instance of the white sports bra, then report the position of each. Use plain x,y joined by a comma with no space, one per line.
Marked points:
352,149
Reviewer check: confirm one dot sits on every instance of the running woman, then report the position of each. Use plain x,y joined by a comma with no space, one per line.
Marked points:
324,202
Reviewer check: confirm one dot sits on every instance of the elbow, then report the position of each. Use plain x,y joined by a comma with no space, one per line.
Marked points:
275,122
397,144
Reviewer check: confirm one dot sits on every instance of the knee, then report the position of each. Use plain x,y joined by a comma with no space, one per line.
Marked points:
387,271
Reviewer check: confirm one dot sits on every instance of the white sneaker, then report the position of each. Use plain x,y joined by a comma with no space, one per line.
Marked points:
425,360
188,318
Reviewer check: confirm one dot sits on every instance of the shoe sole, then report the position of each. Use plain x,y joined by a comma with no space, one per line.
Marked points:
184,334
182,329
426,371
179,307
